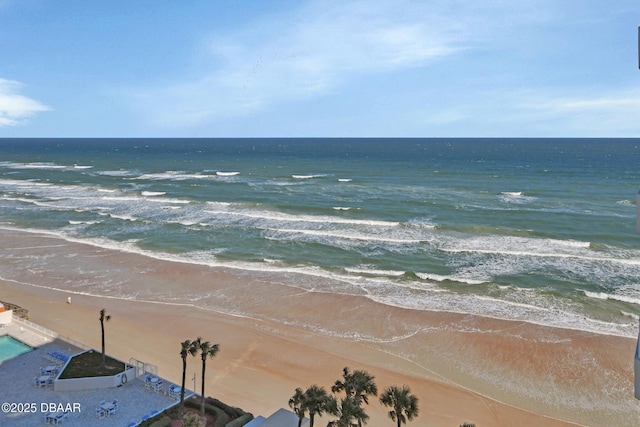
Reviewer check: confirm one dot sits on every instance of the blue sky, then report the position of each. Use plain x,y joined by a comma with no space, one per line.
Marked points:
387,68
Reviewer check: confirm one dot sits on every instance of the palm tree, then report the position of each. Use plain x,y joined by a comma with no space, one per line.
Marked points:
404,404
317,401
206,350
359,385
103,318
348,410
188,348
297,404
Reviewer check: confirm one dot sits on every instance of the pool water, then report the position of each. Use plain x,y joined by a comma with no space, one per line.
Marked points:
11,347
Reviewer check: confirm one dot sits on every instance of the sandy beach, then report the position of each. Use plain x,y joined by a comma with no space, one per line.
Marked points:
463,368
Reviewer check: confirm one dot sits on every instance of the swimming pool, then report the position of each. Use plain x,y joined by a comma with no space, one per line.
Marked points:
11,347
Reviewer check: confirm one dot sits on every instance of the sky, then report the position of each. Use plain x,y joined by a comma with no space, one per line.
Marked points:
307,68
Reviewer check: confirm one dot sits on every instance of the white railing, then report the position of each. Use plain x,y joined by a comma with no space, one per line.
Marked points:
48,332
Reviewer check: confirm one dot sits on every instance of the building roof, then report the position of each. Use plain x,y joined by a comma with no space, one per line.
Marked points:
281,418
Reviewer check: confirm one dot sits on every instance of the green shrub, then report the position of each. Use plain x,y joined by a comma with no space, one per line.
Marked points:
240,421
230,410
162,422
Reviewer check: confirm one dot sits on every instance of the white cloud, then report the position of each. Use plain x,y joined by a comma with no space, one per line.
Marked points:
312,52
612,114
15,109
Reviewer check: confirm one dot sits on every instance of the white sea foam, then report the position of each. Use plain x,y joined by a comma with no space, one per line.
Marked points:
219,173
123,217
345,179
374,272
525,305
344,235
34,165
306,176
153,193
452,278
278,216
341,208
82,166
615,297
118,173
174,176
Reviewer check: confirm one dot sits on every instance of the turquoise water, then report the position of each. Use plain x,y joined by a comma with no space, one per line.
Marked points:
11,347
541,230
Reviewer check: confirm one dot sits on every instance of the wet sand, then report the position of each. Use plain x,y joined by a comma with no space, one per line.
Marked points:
462,368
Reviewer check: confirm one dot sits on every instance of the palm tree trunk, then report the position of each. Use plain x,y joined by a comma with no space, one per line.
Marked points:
104,360
184,379
204,364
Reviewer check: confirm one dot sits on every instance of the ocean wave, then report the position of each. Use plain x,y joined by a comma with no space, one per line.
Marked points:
306,176
174,176
515,304
122,217
450,278
615,297
118,173
343,235
374,272
345,179
283,217
220,173
153,193
32,165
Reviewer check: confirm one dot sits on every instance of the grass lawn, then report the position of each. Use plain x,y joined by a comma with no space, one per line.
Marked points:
88,365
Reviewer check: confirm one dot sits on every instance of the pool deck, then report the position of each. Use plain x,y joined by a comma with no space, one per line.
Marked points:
17,387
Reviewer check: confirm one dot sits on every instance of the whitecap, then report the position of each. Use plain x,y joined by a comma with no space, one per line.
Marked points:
219,173
453,278
153,193
614,297
344,180
374,272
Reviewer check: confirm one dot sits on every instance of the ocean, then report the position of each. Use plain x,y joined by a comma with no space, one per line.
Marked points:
536,230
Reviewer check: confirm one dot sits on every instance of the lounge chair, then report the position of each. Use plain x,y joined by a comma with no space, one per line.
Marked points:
158,387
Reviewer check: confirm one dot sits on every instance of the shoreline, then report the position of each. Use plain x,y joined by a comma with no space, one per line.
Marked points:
236,378
462,367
